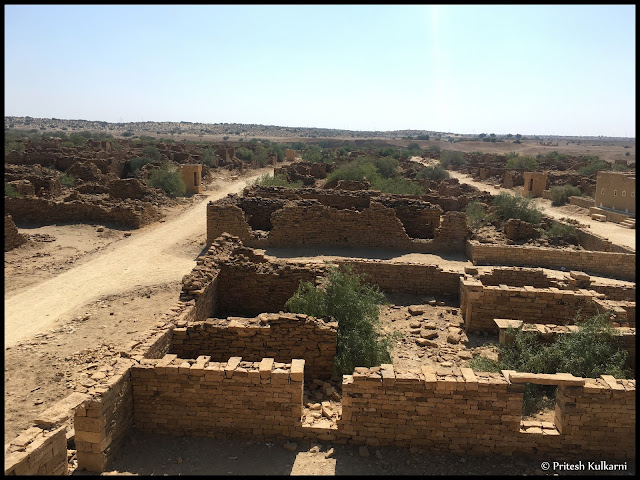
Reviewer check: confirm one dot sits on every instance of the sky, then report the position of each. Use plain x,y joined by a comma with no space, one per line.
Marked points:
534,69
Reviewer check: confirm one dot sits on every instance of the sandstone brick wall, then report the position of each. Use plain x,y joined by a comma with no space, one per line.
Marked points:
282,336
517,277
584,202
260,400
615,292
599,417
258,211
270,289
610,264
529,304
451,410
12,238
46,212
316,224
407,277
37,451
102,424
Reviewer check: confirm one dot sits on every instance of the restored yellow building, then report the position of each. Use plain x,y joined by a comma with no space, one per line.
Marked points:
617,191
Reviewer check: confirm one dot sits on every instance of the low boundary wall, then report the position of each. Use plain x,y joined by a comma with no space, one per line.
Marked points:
610,264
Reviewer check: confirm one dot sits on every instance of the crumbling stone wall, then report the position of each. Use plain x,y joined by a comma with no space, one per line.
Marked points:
610,264
12,238
261,400
481,304
282,336
483,411
258,210
407,277
23,187
37,451
515,229
46,212
129,188
584,202
518,277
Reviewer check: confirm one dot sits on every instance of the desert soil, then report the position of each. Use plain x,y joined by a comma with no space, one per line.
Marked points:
76,296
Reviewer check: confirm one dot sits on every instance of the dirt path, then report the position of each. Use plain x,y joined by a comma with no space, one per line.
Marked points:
150,256
611,231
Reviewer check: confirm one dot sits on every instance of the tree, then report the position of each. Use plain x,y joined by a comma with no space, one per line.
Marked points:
168,179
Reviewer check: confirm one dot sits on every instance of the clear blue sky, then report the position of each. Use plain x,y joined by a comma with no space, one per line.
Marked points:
563,70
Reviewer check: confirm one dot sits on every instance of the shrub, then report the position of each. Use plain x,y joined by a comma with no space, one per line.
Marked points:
298,145
398,186
386,166
560,195
355,171
12,146
314,153
151,152
356,307
592,351
245,154
208,157
594,164
137,163
278,150
511,206
168,179
10,191
618,167
476,214
433,173
521,162
560,233
434,149
67,180
68,143
128,133
225,138
268,180
451,157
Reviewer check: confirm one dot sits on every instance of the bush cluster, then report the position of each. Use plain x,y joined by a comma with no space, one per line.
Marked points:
268,180
436,172
592,351
67,180
345,298
560,233
508,206
521,162
10,191
594,165
560,195
476,214
452,157
168,178
137,163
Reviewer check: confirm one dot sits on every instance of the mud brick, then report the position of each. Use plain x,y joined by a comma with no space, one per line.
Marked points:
279,376
184,368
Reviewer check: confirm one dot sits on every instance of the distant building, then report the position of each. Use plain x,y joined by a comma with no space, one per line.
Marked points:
534,184
616,191
192,176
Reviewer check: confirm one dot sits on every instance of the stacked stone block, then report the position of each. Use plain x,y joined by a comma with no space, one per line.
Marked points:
260,400
280,336
610,264
12,238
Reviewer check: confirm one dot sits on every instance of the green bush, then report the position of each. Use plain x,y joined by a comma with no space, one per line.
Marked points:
345,298
355,171
245,154
398,186
386,166
67,180
268,180
278,150
508,206
560,233
434,149
560,195
592,351
594,164
137,163
521,162
168,179
315,153
433,173
261,155
151,152
67,143
476,214
298,145
10,191
208,157
452,157
618,167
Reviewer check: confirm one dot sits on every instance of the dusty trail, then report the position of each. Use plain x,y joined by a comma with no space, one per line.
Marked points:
611,231
145,258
